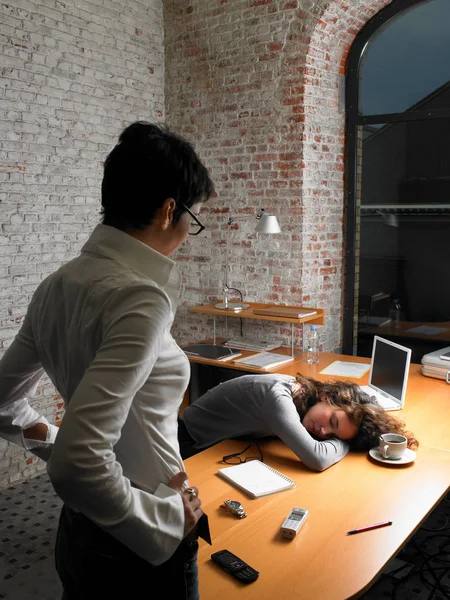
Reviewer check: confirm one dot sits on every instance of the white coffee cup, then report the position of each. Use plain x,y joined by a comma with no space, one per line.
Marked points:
392,445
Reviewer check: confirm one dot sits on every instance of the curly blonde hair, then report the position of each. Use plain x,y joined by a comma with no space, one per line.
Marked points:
370,419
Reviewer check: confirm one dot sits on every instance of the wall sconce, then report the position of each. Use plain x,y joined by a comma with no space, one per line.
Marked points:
265,224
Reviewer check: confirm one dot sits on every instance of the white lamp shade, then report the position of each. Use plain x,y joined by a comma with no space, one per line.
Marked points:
268,224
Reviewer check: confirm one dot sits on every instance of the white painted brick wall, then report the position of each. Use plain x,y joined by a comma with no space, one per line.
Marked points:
72,75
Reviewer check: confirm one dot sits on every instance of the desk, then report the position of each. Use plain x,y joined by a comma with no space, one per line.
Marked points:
322,562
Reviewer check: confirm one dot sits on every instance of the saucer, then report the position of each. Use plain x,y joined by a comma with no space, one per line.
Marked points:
408,456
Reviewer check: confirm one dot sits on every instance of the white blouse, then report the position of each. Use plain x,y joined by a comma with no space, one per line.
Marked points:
100,328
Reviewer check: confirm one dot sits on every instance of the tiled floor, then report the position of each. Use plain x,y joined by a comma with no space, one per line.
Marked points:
28,520
29,516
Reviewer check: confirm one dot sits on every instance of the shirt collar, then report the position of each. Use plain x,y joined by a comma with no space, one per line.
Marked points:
112,243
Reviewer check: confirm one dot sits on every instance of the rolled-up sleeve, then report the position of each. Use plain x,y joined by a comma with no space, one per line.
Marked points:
83,466
20,372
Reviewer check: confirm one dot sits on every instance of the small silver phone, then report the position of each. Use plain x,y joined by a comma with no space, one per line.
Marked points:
292,524
445,356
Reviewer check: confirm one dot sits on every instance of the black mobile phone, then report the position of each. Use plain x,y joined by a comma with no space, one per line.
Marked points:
235,566
445,356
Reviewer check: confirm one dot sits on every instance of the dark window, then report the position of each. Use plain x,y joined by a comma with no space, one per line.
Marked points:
407,60
398,179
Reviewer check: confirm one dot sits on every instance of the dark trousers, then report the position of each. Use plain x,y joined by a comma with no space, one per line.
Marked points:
93,565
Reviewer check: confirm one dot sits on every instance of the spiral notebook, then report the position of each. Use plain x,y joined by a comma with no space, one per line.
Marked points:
256,478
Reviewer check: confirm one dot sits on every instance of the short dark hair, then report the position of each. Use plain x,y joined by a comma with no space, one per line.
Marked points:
148,165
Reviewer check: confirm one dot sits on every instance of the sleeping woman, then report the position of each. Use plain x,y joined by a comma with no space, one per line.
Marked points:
320,422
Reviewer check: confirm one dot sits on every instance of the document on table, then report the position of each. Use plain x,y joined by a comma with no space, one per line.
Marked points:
344,368
264,360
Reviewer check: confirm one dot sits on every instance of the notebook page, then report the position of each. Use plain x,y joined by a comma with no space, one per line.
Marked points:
256,478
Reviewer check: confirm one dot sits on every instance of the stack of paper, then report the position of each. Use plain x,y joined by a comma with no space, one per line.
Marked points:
344,368
264,360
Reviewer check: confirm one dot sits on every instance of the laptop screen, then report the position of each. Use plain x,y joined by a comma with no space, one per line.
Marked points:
390,363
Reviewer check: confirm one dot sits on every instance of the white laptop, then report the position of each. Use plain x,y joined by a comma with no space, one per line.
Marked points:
389,371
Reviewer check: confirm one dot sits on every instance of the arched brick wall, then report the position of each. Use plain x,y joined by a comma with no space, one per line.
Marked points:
323,154
255,85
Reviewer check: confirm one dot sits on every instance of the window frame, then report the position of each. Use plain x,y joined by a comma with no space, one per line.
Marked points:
353,120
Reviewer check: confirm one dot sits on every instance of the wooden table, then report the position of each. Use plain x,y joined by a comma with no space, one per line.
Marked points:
322,562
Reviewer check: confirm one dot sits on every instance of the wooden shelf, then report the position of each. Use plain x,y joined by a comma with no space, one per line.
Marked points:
247,313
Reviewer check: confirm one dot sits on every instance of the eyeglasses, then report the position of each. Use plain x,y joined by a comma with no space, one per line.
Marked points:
196,227
235,459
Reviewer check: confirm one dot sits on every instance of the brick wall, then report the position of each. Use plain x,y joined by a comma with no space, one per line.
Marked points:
253,83
73,74
256,84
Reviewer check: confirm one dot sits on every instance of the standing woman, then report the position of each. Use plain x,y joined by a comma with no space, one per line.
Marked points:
100,328
320,422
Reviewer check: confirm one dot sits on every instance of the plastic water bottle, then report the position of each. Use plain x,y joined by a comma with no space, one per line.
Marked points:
396,312
313,345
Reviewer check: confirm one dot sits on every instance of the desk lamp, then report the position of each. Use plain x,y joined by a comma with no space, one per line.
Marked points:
266,224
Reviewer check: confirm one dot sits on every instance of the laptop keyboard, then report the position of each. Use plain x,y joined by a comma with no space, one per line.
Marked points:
385,403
